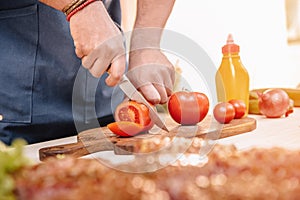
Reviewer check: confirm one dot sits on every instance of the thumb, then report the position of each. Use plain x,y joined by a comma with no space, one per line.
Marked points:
116,70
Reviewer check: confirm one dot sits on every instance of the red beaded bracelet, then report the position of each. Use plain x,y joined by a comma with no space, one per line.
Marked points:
79,8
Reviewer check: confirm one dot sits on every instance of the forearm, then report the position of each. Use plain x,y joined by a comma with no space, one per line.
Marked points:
151,18
153,13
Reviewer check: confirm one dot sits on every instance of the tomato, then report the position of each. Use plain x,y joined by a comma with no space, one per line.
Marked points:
224,112
188,108
131,118
133,111
125,128
239,108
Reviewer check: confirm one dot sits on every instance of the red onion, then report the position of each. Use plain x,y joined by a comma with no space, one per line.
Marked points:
273,103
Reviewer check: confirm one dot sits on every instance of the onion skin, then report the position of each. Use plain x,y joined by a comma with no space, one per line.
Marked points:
273,103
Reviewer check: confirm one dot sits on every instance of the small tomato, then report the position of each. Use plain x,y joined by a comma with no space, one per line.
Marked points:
224,112
239,108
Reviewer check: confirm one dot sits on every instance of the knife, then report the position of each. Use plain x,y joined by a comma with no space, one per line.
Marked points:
132,93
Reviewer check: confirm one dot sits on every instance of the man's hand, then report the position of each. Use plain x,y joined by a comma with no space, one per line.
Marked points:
98,42
149,69
152,73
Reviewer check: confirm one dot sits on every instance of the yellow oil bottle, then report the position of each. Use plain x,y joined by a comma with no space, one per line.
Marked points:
232,78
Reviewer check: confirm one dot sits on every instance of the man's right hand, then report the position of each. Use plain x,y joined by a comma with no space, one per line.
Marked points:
98,42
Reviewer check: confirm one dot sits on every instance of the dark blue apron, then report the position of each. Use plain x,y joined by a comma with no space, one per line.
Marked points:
38,67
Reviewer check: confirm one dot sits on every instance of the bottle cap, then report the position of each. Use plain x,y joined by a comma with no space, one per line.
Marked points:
230,46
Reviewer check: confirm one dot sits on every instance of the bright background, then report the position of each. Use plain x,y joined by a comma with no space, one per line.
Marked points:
259,27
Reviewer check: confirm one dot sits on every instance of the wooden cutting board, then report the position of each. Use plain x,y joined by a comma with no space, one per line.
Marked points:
102,139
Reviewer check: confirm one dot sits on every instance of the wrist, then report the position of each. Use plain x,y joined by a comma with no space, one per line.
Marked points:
145,38
75,6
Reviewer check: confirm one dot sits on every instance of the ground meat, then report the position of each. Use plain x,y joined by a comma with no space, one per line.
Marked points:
228,174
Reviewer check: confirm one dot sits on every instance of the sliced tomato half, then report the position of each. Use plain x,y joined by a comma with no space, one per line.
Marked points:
125,128
133,111
131,118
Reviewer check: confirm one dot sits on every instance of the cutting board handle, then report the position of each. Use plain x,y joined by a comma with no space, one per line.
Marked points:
74,149
77,149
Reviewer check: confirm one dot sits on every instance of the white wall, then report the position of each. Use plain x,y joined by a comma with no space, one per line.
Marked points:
258,26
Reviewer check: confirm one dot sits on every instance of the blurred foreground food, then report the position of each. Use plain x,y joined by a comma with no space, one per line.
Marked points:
11,160
228,174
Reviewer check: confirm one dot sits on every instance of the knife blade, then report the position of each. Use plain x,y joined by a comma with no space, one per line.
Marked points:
132,93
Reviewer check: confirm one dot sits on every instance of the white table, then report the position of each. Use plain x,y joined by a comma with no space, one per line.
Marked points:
281,132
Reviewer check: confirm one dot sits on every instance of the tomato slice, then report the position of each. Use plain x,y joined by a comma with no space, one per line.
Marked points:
125,128
133,111
131,119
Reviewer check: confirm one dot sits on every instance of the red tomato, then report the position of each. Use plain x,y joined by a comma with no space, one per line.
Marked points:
125,128
239,108
188,108
131,118
224,112
133,111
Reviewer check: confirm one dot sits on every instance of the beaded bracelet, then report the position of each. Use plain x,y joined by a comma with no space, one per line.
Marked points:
80,7
75,3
